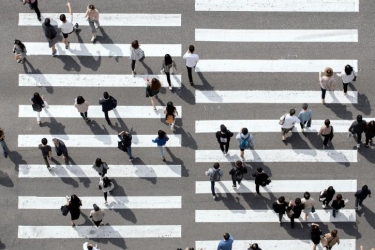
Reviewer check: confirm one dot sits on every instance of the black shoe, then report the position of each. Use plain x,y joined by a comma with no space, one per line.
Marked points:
6,156
76,26
40,19
163,159
110,124
191,83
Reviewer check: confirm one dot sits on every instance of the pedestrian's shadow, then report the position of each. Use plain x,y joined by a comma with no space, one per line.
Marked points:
5,180
206,85
66,180
148,69
138,161
127,214
185,94
88,61
349,228
367,153
187,140
105,39
230,201
70,162
97,130
2,245
120,124
17,159
177,161
369,215
69,63
55,127
363,104
38,76
119,242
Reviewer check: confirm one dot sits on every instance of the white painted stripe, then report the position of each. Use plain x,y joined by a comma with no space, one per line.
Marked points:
274,244
291,66
277,186
278,5
69,111
84,171
111,50
68,232
278,155
93,80
212,126
232,216
232,35
113,19
95,141
264,96
114,202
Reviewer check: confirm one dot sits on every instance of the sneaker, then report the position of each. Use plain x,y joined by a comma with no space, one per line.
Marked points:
19,60
214,197
54,53
163,159
358,146
170,88
76,26
234,186
131,159
192,84
162,72
349,135
49,169
67,46
324,206
93,38
242,159
324,147
134,73
39,19
6,155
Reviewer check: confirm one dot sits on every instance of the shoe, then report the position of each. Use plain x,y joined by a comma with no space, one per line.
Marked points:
324,206
67,46
134,73
334,216
110,124
303,130
191,83
283,138
242,159
93,38
226,153
214,197
163,159
223,153
324,147
88,120
19,60
76,26
105,203
49,169
131,159
279,221
162,71
234,186
39,19
170,88
73,225
6,155
54,53
358,146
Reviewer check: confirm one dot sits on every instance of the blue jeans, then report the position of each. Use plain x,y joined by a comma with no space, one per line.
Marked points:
129,152
161,151
4,146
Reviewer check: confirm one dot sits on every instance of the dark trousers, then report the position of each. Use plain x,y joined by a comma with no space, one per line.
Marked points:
224,147
281,216
84,115
46,161
257,188
168,78
133,65
326,139
213,188
323,93
327,201
292,221
368,138
306,123
105,196
334,211
234,181
189,74
359,137
345,86
106,117
34,6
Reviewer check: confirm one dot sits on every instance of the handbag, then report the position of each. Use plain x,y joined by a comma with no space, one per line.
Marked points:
290,213
312,209
37,107
321,196
64,210
121,146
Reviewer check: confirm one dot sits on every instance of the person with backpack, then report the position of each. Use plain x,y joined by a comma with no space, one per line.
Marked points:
326,131
170,114
126,142
51,34
357,128
223,137
108,104
261,179
215,173
237,173
287,122
305,117
280,206
106,185
245,141
100,166
326,196
160,141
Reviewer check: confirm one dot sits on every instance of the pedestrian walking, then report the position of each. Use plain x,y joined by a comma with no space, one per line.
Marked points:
261,179
100,166
315,235
33,4
356,129
88,246
337,204
369,132
280,206
46,152
294,210
330,239
309,204
191,61
326,196
215,173
126,143
152,90
254,246
305,117
237,173
97,216
136,53
2,143
226,243
361,195
92,16
168,67
160,141
19,50
106,185
245,141
60,148
66,26
326,131
74,206
326,82
348,75
223,138
38,104
289,120
51,34
170,112
108,103
82,106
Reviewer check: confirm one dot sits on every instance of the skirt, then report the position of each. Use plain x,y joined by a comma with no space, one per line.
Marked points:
75,213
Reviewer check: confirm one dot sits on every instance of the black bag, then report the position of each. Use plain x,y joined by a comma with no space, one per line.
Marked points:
121,146
266,182
238,175
147,93
64,210
114,102
331,134
37,107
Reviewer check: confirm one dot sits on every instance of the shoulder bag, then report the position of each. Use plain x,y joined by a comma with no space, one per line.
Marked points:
37,107
64,210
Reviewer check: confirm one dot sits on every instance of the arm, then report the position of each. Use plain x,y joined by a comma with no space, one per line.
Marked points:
50,154
69,8
186,54
87,12
320,76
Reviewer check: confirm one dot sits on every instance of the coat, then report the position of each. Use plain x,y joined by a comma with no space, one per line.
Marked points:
279,207
330,240
297,209
82,108
107,104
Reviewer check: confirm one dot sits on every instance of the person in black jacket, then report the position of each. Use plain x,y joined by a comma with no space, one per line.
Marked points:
297,208
60,148
108,103
357,128
369,132
260,179
326,196
254,246
360,195
337,204
223,137
280,206
51,35
237,173
315,235
126,140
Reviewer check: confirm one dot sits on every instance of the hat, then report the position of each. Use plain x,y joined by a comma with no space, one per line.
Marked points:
328,71
96,208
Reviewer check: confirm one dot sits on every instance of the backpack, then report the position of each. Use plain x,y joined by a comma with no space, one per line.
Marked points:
215,176
282,119
114,102
244,143
64,210
238,175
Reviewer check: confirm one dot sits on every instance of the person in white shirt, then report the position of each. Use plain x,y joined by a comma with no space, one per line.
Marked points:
191,61
88,246
348,75
289,122
67,27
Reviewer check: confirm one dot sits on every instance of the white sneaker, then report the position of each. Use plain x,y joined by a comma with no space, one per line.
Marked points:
134,73
162,72
93,38
324,206
172,127
214,197
358,146
324,147
170,88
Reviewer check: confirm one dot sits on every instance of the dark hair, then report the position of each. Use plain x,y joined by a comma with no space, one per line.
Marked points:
327,122
260,170
281,199
292,111
305,106
315,231
364,188
161,134
44,141
47,22
105,95
62,18
226,236
96,207
167,59
98,162
89,247
348,70
37,97
244,131
359,118
216,165
334,233
297,201
223,128
170,108
191,48
155,84
239,164
19,43
91,7
106,182
75,201
254,246
339,197
135,44
306,195
80,99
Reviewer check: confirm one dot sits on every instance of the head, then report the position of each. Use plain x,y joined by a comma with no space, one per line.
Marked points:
364,188
297,201
226,236
47,22
96,208
306,195
80,99
254,246
90,247
191,48
259,170
348,70
239,164
334,233
292,112
359,118
339,197
305,106
135,44
281,199
55,141
106,181
216,165
327,122
44,141
37,96
330,188
161,134
170,105
74,198
91,7
244,131
167,59
372,123
155,84
328,71
105,95
223,128
63,18
98,162
314,227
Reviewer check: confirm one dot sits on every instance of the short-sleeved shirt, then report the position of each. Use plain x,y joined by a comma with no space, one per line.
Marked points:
97,215
66,27
45,150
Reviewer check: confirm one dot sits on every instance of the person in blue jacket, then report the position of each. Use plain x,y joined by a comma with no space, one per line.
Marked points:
226,243
160,141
